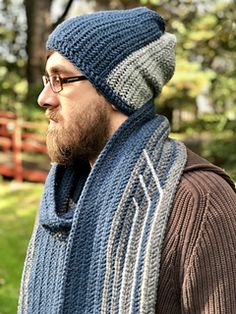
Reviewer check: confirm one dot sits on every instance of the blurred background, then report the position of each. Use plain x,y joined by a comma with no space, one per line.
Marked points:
200,102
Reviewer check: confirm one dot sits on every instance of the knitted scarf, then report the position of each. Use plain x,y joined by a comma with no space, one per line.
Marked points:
102,254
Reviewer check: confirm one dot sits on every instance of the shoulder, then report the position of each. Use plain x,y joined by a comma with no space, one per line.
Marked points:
200,242
203,177
205,201
204,190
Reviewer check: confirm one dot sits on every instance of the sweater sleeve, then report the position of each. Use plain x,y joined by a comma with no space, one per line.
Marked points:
198,271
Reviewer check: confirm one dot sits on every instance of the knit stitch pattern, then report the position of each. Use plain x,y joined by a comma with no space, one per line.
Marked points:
126,54
105,256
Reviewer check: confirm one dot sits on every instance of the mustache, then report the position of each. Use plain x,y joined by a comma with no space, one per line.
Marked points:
53,115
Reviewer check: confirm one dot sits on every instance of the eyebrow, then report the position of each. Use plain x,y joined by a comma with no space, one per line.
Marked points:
60,70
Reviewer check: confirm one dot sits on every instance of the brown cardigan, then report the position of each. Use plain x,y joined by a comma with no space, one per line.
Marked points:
198,265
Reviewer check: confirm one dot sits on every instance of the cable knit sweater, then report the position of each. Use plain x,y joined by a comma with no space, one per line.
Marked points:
198,264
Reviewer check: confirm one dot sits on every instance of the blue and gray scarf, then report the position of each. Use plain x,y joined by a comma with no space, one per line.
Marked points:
96,245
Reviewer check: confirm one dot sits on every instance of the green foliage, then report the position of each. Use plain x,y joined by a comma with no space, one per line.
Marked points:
31,110
217,147
18,204
13,85
12,30
189,78
222,152
206,44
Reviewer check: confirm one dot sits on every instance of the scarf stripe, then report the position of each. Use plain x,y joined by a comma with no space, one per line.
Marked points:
24,294
106,258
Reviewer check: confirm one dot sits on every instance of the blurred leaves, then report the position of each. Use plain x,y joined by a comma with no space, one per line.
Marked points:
206,58
189,78
13,85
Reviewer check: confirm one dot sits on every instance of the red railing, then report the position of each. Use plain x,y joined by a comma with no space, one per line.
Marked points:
19,137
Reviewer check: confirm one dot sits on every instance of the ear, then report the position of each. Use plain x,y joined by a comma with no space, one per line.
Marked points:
114,108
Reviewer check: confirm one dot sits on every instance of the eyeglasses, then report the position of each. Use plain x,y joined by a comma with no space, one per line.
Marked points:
56,82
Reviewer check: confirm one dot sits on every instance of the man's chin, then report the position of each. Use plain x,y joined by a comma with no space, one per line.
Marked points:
59,154
60,160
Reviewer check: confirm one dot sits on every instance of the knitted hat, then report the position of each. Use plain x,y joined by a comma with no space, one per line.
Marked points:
126,54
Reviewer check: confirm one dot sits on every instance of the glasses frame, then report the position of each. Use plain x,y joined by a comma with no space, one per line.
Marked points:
62,80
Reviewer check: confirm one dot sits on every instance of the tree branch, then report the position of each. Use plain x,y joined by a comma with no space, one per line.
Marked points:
62,17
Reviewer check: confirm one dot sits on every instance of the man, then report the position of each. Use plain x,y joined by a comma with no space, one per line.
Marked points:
130,220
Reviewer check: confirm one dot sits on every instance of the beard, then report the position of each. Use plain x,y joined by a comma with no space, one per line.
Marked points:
84,136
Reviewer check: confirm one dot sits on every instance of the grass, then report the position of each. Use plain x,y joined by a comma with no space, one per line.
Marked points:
18,205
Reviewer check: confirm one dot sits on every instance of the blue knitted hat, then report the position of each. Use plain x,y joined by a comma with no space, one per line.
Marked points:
126,54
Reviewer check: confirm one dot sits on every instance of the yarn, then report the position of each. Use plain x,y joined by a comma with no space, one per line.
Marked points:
96,245
126,54
104,257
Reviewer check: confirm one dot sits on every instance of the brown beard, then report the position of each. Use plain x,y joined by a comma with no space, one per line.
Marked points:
83,139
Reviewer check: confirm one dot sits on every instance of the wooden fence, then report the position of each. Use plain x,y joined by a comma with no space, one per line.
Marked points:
19,139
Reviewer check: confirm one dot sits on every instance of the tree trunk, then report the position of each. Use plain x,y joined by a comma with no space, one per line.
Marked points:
39,25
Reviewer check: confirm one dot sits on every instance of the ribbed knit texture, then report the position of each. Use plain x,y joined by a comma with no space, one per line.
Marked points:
126,54
198,265
105,258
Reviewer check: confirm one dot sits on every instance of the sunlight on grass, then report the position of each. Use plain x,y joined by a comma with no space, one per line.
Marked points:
18,205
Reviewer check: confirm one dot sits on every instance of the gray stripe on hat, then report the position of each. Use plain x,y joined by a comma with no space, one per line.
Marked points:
142,75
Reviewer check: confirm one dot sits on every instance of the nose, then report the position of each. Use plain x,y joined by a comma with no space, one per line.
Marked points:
47,98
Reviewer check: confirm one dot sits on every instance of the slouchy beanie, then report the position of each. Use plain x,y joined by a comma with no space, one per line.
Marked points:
125,54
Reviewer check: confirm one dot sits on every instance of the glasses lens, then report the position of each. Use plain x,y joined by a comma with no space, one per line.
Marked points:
45,80
55,83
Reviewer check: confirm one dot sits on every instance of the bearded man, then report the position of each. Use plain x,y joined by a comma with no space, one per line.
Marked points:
130,220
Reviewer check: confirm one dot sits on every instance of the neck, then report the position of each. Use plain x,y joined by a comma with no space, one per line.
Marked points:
116,120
